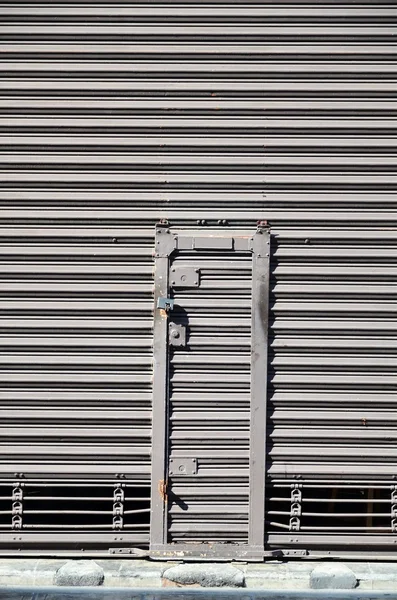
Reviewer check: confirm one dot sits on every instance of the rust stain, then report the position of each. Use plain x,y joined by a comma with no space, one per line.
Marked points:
163,489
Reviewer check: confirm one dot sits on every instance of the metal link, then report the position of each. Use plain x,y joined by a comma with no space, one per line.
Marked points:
118,506
394,509
16,522
118,522
296,495
17,508
294,524
118,495
17,493
296,507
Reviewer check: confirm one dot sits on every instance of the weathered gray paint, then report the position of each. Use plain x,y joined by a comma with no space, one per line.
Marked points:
111,119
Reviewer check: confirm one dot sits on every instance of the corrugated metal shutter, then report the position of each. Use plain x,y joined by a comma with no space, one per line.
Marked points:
114,115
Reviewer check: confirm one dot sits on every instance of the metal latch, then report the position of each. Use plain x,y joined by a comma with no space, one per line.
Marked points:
177,335
166,304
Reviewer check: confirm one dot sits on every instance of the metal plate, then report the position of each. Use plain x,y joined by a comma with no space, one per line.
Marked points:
182,466
185,277
177,335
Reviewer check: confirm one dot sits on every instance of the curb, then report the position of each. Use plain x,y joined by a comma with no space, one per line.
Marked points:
138,573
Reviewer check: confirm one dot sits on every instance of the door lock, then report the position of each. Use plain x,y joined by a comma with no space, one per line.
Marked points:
166,304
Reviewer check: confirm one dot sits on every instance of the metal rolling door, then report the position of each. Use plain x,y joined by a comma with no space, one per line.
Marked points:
111,118
75,387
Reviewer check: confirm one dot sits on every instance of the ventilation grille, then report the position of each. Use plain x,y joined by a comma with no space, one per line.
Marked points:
74,506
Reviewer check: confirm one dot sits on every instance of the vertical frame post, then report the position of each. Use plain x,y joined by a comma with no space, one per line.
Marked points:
165,244
259,369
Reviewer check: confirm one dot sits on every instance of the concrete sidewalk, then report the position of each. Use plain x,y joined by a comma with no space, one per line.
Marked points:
137,573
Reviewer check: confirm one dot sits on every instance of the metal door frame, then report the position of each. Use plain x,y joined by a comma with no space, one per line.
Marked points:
168,241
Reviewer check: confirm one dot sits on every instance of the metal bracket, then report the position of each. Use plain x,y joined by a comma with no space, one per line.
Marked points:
177,335
166,242
183,466
256,243
295,552
185,277
166,304
134,551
